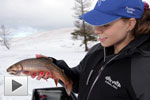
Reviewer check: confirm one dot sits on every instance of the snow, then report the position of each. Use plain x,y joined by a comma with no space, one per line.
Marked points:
54,43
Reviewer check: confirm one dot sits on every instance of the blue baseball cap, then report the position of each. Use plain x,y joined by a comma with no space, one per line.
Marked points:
107,11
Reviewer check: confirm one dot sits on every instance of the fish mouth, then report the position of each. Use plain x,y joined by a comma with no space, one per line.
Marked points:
12,72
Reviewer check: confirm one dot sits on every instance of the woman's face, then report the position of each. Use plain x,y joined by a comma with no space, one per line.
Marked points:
114,33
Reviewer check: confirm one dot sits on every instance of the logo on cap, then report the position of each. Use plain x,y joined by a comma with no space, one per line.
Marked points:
100,2
130,10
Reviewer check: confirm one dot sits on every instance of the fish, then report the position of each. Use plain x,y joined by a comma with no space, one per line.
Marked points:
30,66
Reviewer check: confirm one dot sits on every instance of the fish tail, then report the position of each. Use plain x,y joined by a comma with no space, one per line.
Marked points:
68,87
56,81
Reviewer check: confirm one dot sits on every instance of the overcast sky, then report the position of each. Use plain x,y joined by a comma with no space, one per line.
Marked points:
27,16
33,15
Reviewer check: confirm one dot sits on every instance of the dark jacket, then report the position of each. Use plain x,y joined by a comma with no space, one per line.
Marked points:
102,75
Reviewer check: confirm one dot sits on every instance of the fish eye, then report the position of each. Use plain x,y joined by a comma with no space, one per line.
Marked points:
10,67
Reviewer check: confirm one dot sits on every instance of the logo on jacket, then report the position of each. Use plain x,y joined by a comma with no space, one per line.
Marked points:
114,84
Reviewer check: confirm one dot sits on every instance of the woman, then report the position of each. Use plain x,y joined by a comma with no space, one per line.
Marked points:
117,68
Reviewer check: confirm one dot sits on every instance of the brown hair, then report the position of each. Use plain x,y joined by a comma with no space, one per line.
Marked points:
143,24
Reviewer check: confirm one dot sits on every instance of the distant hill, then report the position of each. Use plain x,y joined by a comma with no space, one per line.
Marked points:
53,38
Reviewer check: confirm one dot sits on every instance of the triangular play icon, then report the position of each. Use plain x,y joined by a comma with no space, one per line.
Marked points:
15,85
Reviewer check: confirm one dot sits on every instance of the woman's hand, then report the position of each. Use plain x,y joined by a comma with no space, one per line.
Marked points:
42,74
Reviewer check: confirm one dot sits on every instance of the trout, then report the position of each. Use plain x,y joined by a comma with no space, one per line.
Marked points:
32,66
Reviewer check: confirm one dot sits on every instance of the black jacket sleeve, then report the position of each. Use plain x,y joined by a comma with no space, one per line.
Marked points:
74,73
140,72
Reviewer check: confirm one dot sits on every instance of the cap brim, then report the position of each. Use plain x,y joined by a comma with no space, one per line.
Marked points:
96,18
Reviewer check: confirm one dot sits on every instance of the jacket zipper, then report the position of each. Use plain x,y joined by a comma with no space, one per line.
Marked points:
99,73
91,72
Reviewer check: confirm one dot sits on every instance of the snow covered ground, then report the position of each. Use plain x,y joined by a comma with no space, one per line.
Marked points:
54,43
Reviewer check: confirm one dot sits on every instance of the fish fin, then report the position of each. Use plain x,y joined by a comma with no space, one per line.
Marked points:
68,87
34,75
56,81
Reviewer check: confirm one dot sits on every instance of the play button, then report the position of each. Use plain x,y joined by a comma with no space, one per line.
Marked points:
15,85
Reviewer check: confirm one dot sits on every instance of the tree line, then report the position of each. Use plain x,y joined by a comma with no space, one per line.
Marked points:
83,30
4,33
